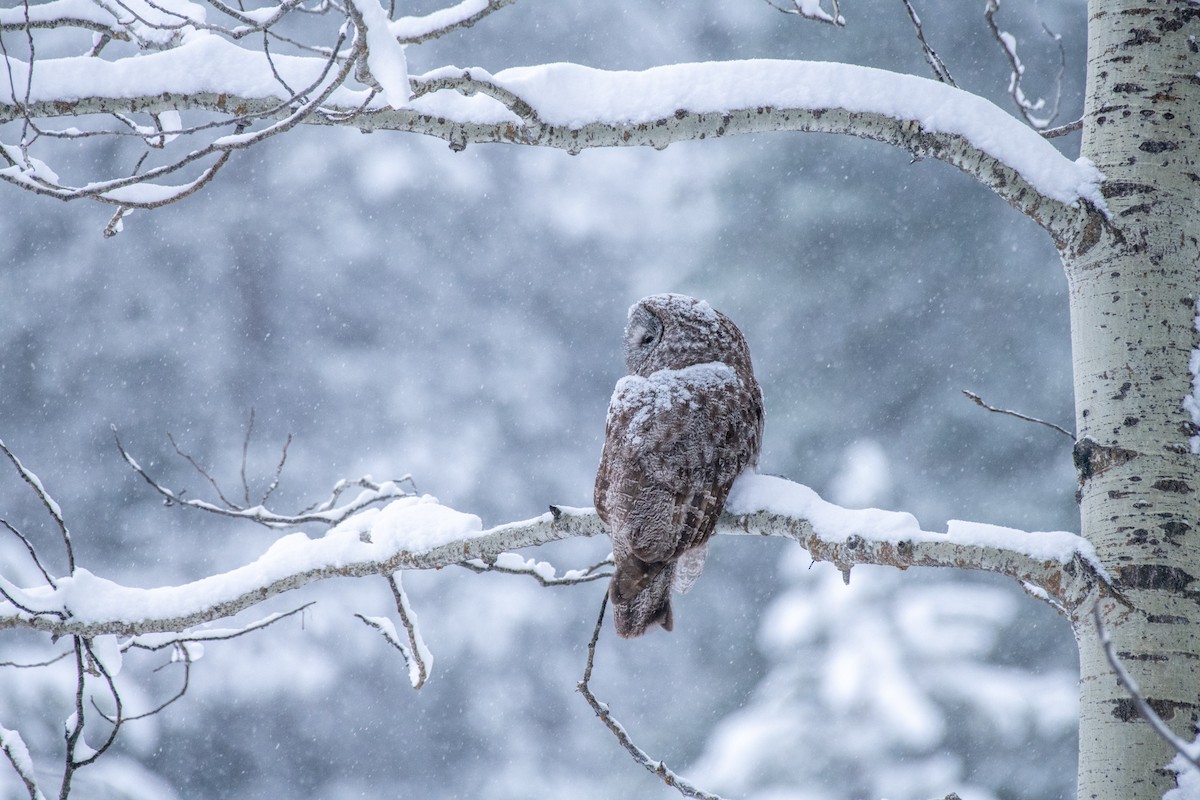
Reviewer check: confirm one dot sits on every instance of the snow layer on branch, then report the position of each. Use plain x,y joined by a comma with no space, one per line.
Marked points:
412,524
416,27
201,63
385,55
753,493
573,96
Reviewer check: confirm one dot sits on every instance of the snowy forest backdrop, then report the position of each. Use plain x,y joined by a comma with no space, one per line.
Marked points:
400,308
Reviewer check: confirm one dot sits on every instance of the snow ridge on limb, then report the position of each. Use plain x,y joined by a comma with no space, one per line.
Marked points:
420,533
566,106
1056,566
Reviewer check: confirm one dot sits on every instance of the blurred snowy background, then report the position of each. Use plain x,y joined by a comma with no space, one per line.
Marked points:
400,308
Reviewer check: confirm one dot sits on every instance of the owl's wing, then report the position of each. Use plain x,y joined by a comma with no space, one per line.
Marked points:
674,444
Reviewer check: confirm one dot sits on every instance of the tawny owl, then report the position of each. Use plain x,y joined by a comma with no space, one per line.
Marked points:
685,422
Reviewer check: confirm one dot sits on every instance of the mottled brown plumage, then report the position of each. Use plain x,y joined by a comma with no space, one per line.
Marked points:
683,424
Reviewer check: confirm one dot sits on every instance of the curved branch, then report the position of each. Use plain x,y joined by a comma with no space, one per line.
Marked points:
419,533
571,107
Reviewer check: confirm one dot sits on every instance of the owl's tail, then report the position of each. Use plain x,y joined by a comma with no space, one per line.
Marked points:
641,596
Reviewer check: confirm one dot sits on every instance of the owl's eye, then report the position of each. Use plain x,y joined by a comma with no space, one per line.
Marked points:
647,339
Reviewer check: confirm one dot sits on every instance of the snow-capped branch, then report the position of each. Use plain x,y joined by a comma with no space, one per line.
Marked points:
1057,566
420,533
416,655
14,749
1033,112
199,66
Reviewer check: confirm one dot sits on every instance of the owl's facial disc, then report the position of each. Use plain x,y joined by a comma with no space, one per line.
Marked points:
641,336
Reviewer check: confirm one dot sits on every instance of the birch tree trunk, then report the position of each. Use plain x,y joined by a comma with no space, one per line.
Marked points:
1133,289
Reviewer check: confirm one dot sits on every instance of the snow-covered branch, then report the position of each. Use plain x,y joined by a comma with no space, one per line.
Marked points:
202,68
419,533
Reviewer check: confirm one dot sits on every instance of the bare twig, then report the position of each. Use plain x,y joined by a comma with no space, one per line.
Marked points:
326,512
245,451
203,472
51,506
1185,749
1008,44
602,711
96,666
940,71
543,573
817,15
979,402
36,664
183,655
154,642
278,472
185,658
1062,130
32,552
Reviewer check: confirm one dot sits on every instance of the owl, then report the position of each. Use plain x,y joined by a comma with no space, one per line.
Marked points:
682,425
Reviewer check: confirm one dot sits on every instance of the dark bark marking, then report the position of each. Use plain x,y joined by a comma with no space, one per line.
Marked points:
1157,577
1161,619
1128,88
1092,458
1125,710
1141,36
1157,147
1175,529
1126,188
1172,485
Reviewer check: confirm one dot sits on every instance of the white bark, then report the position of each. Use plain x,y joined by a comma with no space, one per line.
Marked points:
1133,289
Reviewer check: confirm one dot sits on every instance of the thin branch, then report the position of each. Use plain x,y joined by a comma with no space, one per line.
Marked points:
415,30
540,571
245,452
37,664
979,402
408,618
153,643
325,513
416,656
14,749
278,472
75,726
1062,130
618,730
1184,749
51,506
940,71
182,654
32,552
818,14
186,659
203,472
1008,44
98,666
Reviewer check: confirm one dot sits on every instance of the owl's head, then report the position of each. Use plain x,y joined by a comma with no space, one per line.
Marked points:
673,331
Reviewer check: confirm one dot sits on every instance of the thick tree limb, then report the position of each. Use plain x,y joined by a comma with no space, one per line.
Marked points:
418,533
573,108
